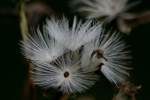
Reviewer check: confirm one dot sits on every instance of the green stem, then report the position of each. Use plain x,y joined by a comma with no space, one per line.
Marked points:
23,20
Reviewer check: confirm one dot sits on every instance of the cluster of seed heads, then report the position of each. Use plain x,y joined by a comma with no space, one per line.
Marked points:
67,57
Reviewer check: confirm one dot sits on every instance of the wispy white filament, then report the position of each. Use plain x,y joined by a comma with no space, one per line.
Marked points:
64,74
41,47
114,60
102,8
65,56
74,36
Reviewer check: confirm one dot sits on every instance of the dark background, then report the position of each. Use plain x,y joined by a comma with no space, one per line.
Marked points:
13,71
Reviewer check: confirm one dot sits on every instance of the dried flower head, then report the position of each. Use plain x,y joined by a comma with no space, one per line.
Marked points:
127,91
73,37
102,8
64,74
108,53
65,57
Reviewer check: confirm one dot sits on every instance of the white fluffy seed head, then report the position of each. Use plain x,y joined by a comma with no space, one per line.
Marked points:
111,53
64,74
41,47
73,37
101,8
58,62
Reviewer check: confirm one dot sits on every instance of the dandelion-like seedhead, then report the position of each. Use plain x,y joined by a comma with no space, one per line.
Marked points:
66,57
102,8
64,74
110,53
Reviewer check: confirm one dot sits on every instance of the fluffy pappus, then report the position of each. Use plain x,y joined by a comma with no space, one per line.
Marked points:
41,47
110,54
102,8
64,74
74,36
